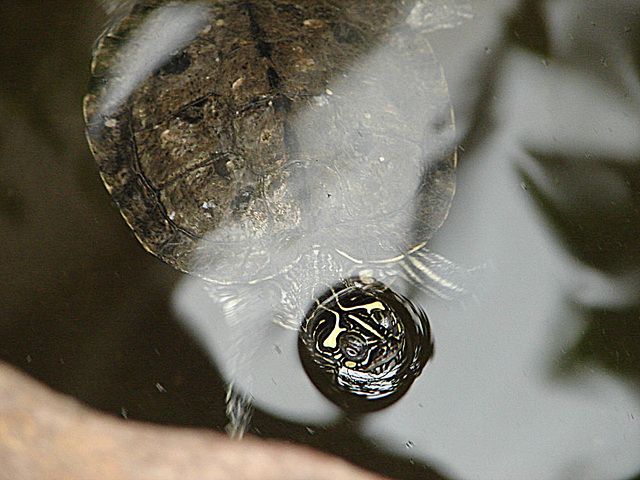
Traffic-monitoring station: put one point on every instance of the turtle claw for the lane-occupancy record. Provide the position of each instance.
(435, 274)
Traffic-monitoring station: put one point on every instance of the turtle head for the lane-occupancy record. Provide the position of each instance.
(363, 345)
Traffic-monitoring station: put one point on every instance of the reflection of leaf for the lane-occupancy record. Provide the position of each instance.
(527, 28)
(12, 204)
(593, 207)
(613, 338)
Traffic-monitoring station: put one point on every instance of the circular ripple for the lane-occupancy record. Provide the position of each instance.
(362, 345)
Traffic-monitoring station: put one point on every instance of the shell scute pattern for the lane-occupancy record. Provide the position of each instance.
(277, 128)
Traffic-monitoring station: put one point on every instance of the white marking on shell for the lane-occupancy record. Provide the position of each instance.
(237, 83)
(313, 23)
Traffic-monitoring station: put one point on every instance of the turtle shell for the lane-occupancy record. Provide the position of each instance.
(237, 136)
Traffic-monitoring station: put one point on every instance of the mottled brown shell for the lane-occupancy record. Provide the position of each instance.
(277, 127)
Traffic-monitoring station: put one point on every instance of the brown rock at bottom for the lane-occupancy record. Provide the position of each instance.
(46, 435)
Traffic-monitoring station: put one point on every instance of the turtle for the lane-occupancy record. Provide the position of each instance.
(276, 148)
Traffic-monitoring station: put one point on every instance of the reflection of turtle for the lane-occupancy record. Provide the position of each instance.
(288, 143)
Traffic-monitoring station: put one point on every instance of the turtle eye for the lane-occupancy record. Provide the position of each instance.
(364, 345)
(353, 347)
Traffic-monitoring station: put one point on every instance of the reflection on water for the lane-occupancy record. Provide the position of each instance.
(258, 136)
(536, 376)
(362, 345)
(276, 151)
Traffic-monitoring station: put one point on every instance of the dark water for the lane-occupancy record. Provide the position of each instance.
(535, 375)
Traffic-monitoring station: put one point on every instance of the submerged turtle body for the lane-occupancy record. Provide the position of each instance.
(238, 137)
